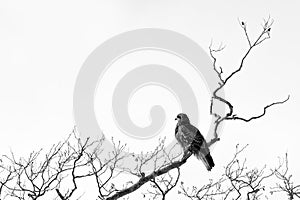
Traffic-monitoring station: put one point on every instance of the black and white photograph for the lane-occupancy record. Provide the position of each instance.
(149, 99)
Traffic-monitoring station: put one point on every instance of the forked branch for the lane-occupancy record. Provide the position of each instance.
(264, 35)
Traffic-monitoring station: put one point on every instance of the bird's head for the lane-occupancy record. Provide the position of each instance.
(182, 118)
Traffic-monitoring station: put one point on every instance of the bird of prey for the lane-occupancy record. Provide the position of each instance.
(191, 140)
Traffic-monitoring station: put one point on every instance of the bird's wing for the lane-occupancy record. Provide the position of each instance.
(198, 143)
(200, 140)
(187, 135)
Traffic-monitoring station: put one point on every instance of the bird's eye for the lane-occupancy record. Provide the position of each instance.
(179, 117)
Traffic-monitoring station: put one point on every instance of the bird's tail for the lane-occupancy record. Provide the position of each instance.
(207, 160)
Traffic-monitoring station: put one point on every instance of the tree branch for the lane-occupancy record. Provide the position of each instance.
(264, 35)
(149, 177)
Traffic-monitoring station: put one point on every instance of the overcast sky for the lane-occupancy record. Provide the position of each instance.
(44, 44)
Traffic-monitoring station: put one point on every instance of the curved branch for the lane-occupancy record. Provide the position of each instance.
(264, 35)
(234, 117)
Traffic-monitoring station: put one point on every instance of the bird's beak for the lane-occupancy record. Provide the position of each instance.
(176, 118)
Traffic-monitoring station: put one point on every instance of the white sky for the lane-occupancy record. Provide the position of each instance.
(43, 45)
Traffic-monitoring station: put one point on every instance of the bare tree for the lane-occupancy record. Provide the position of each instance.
(238, 181)
(244, 180)
(33, 177)
(162, 185)
(211, 190)
(241, 182)
(285, 183)
(59, 170)
(5, 178)
(230, 115)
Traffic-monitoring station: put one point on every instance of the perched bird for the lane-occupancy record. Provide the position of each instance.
(191, 140)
